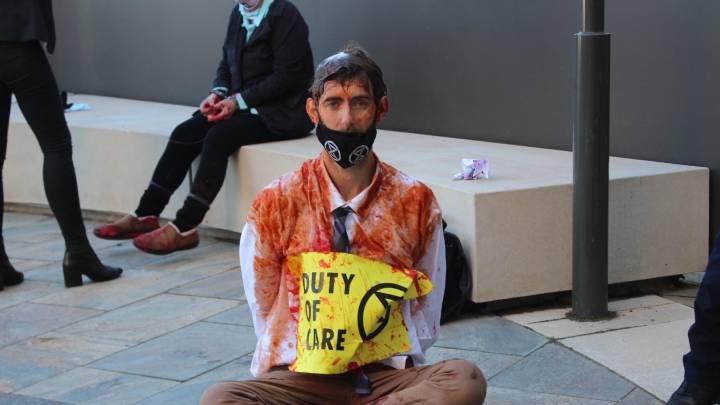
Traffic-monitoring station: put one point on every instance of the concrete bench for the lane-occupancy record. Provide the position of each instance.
(516, 227)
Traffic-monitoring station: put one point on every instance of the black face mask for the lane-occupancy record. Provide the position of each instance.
(346, 148)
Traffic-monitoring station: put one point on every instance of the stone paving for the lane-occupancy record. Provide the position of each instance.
(173, 325)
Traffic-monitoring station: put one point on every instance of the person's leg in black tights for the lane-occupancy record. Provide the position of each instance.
(28, 75)
(39, 101)
(221, 141)
(5, 97)
(183, 147)
(8, 275)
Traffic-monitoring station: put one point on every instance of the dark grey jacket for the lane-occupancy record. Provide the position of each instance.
(273, 69)
(27, 20)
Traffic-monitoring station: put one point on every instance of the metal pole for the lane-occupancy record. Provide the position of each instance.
(590, 166)
(593, 16)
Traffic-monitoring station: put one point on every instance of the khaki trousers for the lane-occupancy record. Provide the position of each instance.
(449, 382)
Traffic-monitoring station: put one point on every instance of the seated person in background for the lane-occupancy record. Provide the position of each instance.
(259, 94)
(346, 200)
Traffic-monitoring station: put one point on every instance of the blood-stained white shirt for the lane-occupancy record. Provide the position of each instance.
(299, 205)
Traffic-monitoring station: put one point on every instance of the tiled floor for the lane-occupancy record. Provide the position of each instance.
(644, 343)
(173, 325)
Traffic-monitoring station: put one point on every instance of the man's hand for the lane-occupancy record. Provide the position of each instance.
(223, 110)
(209, 104)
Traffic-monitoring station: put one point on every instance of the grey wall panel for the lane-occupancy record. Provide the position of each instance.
(158, 50)
(665, 102)
(495, 70)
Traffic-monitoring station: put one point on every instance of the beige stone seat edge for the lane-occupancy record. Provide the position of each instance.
(516, 227)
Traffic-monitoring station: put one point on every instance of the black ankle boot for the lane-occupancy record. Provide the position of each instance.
(77, 264)
(8, 275)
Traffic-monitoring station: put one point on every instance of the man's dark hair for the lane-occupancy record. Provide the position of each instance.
(351, 63)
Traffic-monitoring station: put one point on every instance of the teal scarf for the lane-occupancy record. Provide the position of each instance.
(252, 19)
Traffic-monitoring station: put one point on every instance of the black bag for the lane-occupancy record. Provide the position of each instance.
(458, 279)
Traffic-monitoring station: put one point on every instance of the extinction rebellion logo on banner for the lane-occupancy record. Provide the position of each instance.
(350, 312)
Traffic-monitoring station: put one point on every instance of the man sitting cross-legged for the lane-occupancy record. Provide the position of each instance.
(355, 221)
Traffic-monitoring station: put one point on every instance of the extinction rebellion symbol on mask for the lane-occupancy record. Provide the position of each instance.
(358, 154)
(386, 294)
(333, 150)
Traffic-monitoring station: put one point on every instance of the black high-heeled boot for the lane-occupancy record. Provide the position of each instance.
(87, 263)
(8, 275)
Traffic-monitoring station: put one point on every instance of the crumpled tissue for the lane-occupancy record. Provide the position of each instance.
(473, 169)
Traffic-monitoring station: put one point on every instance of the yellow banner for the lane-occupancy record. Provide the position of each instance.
(350, 312)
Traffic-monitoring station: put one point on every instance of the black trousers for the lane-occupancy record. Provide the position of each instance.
(25, 72)
(214, 143)
(702, 364)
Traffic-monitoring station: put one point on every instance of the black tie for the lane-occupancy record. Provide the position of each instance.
(340, 241)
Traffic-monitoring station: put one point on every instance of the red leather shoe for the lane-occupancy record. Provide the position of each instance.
(167, 240)
(127, 227)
